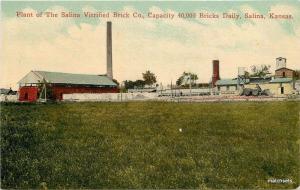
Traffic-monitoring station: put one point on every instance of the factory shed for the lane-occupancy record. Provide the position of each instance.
(281, 86)
(227, 86)
(63, 83)
(9, 91)
(276, 86)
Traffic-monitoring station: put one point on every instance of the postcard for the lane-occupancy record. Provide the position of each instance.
(150, 94)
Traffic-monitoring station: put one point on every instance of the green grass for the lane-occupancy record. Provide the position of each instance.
(138, 145)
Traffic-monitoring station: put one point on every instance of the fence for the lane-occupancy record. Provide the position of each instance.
(185, 92)
(109, 97)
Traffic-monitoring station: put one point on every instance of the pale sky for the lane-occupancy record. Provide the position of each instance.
(164, 46)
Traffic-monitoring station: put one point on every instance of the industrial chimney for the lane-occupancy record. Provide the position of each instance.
(216, 75)
(109, 71)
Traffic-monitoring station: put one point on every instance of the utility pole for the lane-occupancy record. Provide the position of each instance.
(190, 85)
(171, 90)
(45, 92)
(161, 89)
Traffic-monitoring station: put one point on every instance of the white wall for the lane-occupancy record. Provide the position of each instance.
(114, 97)
(194, 91)
(8, 98)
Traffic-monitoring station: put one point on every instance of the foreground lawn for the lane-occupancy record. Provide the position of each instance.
(139, 145)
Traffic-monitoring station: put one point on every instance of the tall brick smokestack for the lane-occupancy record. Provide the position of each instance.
(216, 75)
(109, 71)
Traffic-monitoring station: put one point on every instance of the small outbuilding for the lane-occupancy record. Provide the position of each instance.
(227, 86)
(32, 85)
(5, 91)
(284, 73)
(281, 86)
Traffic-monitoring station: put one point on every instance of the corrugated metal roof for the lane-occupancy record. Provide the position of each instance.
(281, 80)
(66, 78)
(226, 82)
(260, 79)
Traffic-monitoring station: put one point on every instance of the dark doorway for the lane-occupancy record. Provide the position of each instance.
(26, 96)
(283, 74)
(282, 90)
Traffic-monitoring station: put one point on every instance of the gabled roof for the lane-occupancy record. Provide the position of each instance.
(284, 68)
(35, 77)
(281, 80)
(245, 81)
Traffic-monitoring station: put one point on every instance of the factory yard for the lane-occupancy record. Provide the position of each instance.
(150, 145)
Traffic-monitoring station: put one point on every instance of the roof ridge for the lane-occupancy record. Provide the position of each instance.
(37, 74)
(72, 73)
(68, 78)
(285, 68)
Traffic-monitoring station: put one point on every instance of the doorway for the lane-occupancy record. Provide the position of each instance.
(282, 90)
(26, 96)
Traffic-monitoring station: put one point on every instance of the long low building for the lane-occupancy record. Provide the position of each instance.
(276, 86)
(33, 85)
(282, 83)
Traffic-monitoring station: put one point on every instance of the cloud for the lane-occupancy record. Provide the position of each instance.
(284, 9)
(166, 47)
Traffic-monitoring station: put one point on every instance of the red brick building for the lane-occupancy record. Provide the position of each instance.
(31, 86)
(284, 73)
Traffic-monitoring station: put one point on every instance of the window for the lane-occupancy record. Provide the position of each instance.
(282, 90)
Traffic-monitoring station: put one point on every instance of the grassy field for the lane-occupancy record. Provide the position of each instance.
(139, 145)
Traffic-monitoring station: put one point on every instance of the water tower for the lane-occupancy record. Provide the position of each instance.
(280, 62)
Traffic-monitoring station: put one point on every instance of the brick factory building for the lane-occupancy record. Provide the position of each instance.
(52, 85)
(282, 83)
(284, 73)
(31, 86)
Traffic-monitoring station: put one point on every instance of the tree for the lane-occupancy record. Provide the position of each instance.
(297, 74)
(247, 74)
(186, 78)
(128, 84)
(149, 78)
(139, 84)
(134, 84)
(260, 70)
